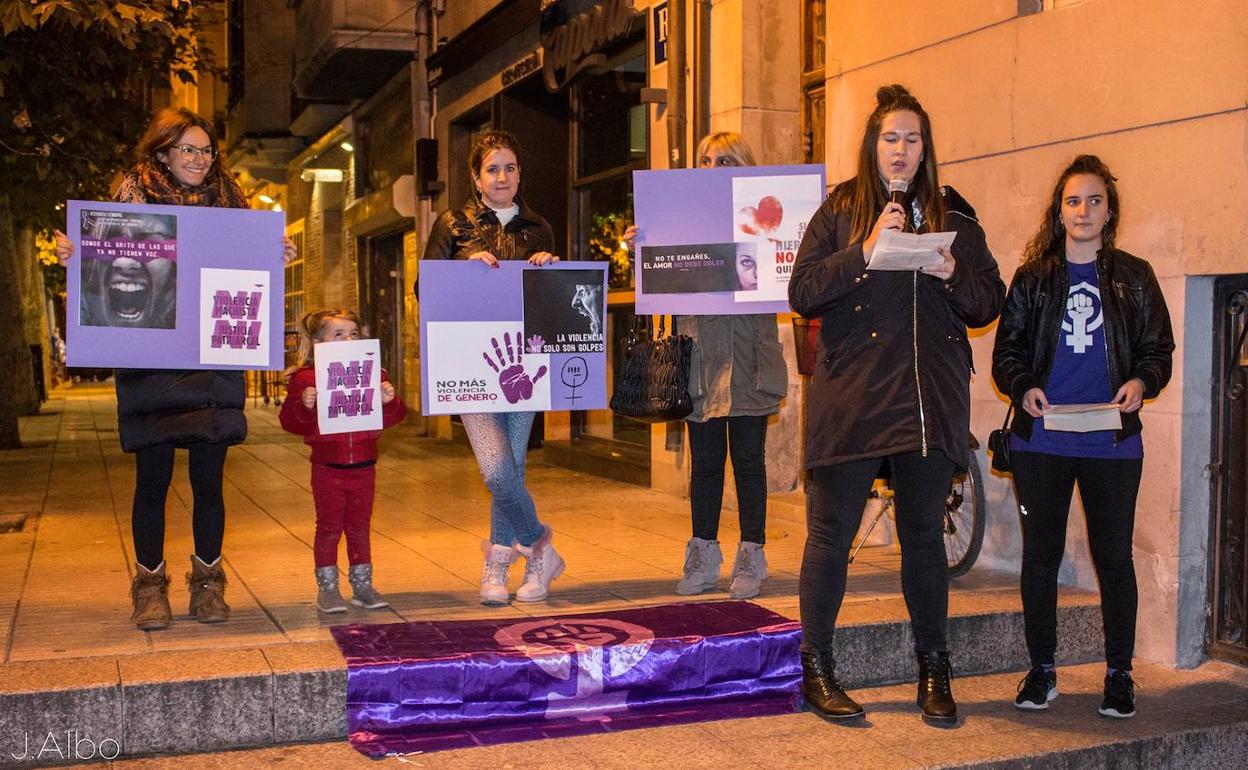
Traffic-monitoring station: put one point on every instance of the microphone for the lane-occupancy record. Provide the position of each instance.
(897, 190)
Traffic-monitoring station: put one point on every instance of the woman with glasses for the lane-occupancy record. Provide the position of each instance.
(160, 410)
(893, 387)
(736, 380)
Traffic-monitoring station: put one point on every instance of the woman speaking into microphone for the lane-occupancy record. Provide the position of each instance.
(893, 388)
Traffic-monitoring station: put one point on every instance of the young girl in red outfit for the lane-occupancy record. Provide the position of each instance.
(343, 467)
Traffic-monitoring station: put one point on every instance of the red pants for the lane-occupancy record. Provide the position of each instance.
(344, 503)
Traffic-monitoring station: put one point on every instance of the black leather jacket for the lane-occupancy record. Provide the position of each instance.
(474, 227)
(1138, 337)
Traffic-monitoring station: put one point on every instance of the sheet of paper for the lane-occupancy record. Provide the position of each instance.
(1082, 418)
(895, 250)
(348, 386)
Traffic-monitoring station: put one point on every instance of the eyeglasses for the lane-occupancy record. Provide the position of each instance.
(190, 153)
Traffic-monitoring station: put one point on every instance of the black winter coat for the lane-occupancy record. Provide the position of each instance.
(895, 361)
(458, 233)
(179, 407)
(1138, 337)
(175, 406)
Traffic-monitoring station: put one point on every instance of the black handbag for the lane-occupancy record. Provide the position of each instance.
(652, 379)
(999, 444)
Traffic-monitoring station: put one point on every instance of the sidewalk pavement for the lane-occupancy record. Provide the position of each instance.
(271, 676)
(65, 576)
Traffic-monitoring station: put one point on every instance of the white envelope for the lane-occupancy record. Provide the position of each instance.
(895, 250)
(1082, 418)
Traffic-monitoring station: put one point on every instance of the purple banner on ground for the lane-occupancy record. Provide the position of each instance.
(174, 287)
(513, 339)
(687, 218)
(434, 685)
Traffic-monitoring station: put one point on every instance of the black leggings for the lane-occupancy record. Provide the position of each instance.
(838, 494)
(153, 472)
(709, 445)
(1108, 488)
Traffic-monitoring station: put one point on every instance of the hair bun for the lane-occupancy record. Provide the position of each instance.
(891, 94)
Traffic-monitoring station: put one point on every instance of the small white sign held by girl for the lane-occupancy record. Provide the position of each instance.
(348, 386)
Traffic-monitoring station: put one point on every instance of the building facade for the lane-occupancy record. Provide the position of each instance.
(386, 103)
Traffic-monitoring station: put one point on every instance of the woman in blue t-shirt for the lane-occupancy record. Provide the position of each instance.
(1083, 323)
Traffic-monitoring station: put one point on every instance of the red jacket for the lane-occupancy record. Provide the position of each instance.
(336, 448)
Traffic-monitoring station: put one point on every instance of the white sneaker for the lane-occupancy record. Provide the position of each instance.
(542, 565)
(749, 570)
(702, 560)
(498, 559)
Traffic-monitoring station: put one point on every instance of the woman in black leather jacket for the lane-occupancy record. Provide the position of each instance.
(1084, 322)
(494, 225)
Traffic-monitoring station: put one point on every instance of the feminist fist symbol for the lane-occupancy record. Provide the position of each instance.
(512, 379)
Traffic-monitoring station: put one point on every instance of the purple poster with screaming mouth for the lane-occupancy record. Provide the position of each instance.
(174, 287)
(515, 338)
(721, 241)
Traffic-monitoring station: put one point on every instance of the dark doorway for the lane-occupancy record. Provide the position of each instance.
(1229, 634)
(381, 299)
(539, 121)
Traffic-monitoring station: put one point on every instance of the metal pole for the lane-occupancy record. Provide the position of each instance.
(676, 65)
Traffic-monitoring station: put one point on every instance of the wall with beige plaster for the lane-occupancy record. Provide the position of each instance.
(1155, 88)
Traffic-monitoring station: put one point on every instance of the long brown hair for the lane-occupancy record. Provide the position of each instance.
(1050, 240)
(864, 196)
(310, 327)
(166, 129)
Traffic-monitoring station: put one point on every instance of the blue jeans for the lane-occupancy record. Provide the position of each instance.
(500, 442)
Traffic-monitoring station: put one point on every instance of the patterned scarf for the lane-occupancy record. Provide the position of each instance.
(157, 185)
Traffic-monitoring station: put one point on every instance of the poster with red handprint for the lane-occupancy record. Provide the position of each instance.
(483, 337)
(721, 241)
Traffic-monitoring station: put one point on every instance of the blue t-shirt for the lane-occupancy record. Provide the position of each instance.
(1080, 375)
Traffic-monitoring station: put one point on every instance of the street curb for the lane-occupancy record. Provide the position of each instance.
(211, 700)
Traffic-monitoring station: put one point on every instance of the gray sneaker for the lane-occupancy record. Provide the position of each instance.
(748, 571)
(362, 592)
(328, 599)
(702, 560)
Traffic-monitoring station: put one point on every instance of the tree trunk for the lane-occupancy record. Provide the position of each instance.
(34, 316)
(16, 376)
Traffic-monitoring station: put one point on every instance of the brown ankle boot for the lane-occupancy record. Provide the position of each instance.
(149, 592)
(207, 584)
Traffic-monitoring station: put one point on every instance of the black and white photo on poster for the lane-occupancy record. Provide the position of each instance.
(564, 311)
(128, 264)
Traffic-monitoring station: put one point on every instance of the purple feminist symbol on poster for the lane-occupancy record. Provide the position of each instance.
(598, 649)
(348, 395)
(512, 378)
(244, 308)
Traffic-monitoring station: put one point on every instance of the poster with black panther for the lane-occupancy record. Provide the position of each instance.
(129, 269)
(564, 311)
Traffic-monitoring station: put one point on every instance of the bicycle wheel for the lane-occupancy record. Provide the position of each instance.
(965, 515)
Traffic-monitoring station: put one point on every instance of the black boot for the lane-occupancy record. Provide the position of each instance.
(935, 696)
(822, 690)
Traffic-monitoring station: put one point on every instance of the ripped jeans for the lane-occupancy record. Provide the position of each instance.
(500, 442)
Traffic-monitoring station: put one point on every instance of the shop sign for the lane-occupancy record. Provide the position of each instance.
(577, 44)
(659, 33)
(522, 69)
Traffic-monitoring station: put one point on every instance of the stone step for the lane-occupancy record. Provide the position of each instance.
(212, 700)
(1186, 719)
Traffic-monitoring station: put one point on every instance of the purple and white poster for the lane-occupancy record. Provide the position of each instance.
(721, 241)
(348, 386)
(174, 287)
(513, 339)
